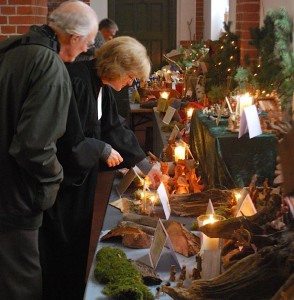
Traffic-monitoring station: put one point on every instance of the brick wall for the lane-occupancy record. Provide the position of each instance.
(247, 16)
(16, 16)
(199, 20)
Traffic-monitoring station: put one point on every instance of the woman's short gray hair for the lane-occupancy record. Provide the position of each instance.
(122, 56)
(74, 17)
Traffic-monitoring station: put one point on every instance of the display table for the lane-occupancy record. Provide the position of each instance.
(227, 161)
(139, 115)
(93, 289)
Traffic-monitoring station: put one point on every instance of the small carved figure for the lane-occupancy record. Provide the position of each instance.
(182, 186)
(164, 167)
(195, 274)
(183, 273)
(173, 272)
(179, 170)
(194, 182)
(180, 283)
(199, 262)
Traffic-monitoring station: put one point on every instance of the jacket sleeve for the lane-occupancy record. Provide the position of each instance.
(42, 119)
(78, 154)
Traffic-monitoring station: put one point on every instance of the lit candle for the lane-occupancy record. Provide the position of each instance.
(179, 152)
(189, 113)
(244, 100)
(164, 95)
(207, 242)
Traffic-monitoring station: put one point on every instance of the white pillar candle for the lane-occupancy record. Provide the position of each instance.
(179, 152)
(189, 113)
(207, 242)
(244, 100)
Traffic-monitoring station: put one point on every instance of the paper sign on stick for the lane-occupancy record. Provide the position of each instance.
(168, 115)
(174, 133)
(160, 239)
(127, 180)
(250, 122)
(162, 194)
(246, 207)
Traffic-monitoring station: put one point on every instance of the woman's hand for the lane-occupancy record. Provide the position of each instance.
(114, 159)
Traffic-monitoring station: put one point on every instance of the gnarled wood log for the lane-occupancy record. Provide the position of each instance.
(225, 229)
(193, 205)
(257, 276)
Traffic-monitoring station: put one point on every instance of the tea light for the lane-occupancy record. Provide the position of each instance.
(164, 95)
(179, 152)
(207, 242)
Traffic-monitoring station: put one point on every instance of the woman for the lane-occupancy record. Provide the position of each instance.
(94, 135)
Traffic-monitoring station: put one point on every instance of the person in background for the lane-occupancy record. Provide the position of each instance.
(65, 234)
(34, 96)
(107, 31)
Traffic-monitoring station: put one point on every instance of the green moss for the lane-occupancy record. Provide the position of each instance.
(123, 280)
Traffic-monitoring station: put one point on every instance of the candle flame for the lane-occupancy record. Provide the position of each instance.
(211, 220)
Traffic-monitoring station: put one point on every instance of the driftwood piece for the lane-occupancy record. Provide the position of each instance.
(131, 237)
(141, 219)
(257, 276)
(286, 291)
(225, 229)
(184, 242)
(193, 205)
(147, 229)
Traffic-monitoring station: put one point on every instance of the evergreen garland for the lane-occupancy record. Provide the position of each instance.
(275, 70)
(223, 62)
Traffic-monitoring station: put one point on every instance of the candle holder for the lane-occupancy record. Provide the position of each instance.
(207, 242)
(210, 248)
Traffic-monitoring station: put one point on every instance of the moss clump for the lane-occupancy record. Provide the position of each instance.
(122, 279)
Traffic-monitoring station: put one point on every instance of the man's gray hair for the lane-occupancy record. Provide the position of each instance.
(73, 17)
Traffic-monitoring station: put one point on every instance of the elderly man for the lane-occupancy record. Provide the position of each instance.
(34, 96)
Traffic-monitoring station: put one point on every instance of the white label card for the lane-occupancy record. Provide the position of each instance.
(174, 133)
(126, 181)
(162, 194)
(160, 239)
(168, 115)
(250, 122)
(245, 207)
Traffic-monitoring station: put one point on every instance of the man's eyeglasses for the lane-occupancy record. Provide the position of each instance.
(90, 45)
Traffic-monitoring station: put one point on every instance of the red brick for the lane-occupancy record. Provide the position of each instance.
(32, 10)
(7, 10)
(8, 29)
(23, 29)
(26, 20)
(3, 20)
